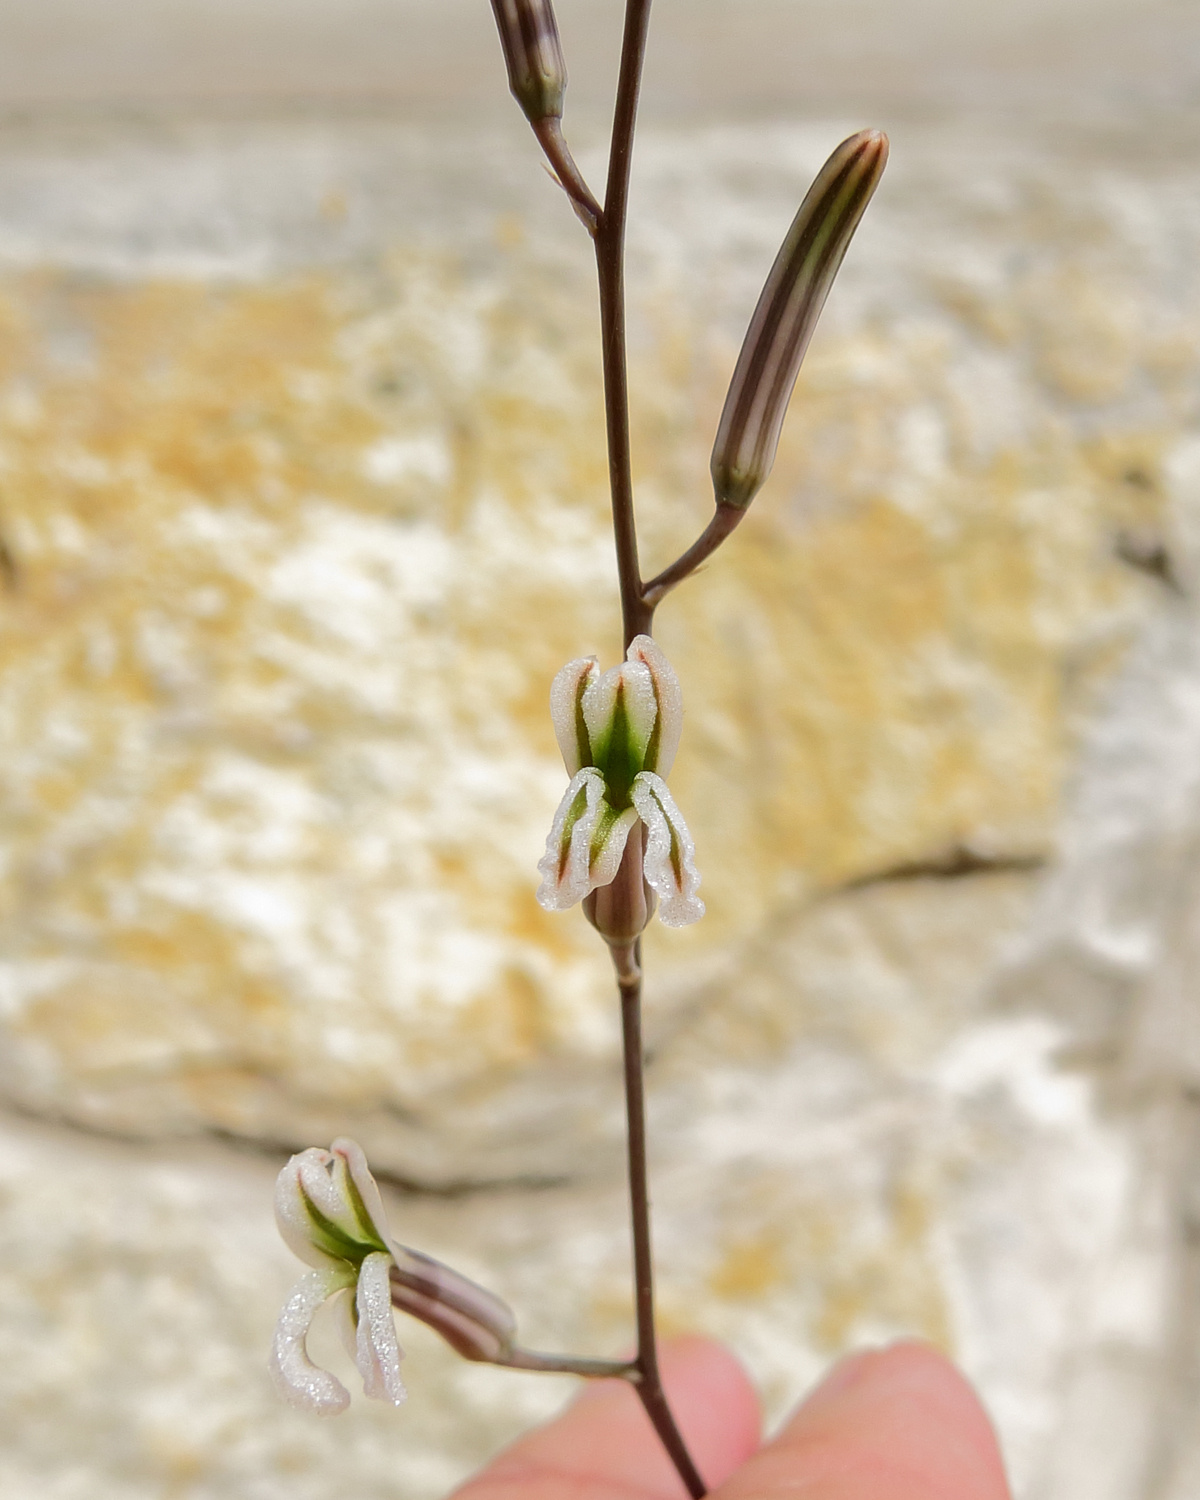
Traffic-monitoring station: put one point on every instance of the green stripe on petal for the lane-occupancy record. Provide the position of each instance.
(331, 1239)
(566, 711)
(574, 813)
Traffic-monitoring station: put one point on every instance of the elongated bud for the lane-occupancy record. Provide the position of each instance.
(472, 1320)
(787, 313)
(537, 74)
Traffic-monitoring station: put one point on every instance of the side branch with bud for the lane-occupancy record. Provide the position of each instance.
(618, 844)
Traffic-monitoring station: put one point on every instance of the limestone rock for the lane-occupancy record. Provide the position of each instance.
(302, 503)
(295, 550)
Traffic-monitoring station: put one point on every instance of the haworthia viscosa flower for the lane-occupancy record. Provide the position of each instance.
(329, 1211)
(618, 732)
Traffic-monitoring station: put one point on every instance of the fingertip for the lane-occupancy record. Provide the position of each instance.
(906, 1364)
(715, 1404)
(604, 1446)
(899, 1423)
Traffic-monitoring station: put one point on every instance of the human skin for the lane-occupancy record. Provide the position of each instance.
(893, 1424)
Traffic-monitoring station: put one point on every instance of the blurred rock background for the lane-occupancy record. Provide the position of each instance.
(302, 503)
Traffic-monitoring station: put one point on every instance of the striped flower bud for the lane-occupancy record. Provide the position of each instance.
(787, 313)
(618, 733)
(537, 74)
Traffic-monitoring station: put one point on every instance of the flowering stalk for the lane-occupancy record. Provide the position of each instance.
(618, 843)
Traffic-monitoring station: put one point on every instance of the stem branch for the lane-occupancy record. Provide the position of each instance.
(570, 179)
(568, 1364)
(722, 524)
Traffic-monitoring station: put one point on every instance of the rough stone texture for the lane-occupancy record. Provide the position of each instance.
(302, 503)
(295, 555)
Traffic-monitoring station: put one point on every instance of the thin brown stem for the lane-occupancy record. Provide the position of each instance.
(569, 1364)
(721, 526)
(649, 1381)
(637, 616)
(610, 266)
(570, 178)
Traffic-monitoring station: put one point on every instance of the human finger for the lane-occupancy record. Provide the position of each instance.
(604, 1448)
(893, 1424)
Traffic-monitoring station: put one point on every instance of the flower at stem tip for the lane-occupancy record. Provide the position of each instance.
(618, 842)
(330, 1213)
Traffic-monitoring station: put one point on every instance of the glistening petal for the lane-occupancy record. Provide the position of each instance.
(566, 710)
(292, 1205)
(297, 1379)
(362, 1193)
(320, 1210)
(597, 703)
(564, 866)
(608, 845)
(585, 845)
(620, 712)
(378, 1354)
(670, 860)
(664, 740)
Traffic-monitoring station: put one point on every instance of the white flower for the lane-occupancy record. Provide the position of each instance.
(329, 1211)
(618, 733)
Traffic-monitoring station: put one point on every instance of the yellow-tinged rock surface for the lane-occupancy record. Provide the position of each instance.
(292, 561)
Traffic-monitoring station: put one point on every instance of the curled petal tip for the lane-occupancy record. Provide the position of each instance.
(297, 1379)
(670, 859)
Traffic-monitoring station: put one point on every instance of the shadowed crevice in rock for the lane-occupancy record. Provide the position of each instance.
(449, 1190)
(1148, 552)
(952, 864)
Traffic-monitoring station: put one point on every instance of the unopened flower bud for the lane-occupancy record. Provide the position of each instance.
(537, 74)
(787, 313)
(471, 1319)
